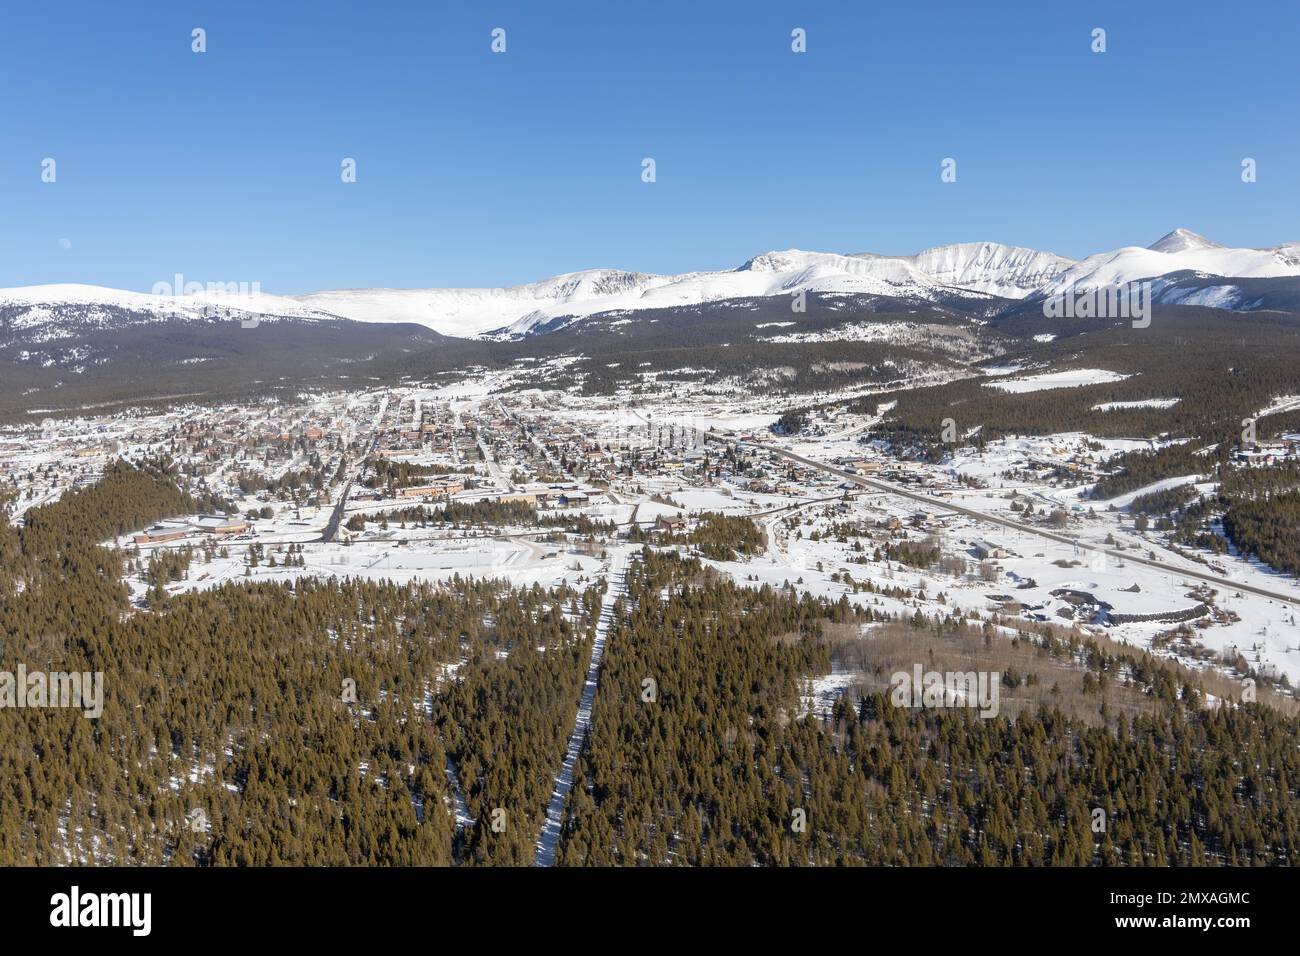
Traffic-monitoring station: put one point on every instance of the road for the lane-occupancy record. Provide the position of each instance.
(550, 836)
(332, 527)
(775, 514)
(929, 502)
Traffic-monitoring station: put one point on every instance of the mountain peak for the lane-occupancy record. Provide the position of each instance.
(1182, 240)
(779, 260)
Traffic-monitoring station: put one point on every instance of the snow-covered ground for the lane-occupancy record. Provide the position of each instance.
(1141, 403)
(1070, 378)
(520, 561)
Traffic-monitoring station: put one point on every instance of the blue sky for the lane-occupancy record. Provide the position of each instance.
(483, 169)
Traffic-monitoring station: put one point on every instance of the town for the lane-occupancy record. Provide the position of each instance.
(544, 488)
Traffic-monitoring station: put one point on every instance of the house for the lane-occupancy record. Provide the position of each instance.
(987, 549)
(670, 524)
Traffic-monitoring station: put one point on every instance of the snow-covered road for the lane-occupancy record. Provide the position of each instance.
(550, 837)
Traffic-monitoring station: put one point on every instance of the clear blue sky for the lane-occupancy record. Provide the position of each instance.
(482, 169)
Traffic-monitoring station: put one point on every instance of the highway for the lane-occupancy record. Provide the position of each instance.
(929, 502)
(332, 528)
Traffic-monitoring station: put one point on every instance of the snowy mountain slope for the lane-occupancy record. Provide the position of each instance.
(1241, 294)
(1179, 251)
(1182, 240)
(973, 270)
(517, 310)
(475, 312)
(1012, 272)
(53, 311)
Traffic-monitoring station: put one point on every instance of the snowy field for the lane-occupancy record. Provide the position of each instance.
(520, 561)
(1070, 378)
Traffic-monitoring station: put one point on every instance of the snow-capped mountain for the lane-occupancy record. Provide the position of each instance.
(976, 276)
(1179, 251)
(971, 271)
(476, 312)
(960, 273)
(1182, 240)
(53, 311)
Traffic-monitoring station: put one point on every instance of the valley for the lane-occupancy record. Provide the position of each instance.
(499, 546)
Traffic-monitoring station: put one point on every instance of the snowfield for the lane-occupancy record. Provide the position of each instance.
(1070, 378)
(1141, 403)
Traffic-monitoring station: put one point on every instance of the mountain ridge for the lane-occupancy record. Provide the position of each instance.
(970, 275)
